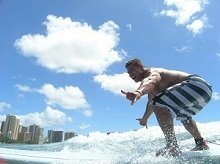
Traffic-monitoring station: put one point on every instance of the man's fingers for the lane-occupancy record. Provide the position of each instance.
(142, 123)
(134, 101)
(123, 92)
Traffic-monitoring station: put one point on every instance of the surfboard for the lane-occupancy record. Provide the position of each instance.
(213, 151)
(27, 156)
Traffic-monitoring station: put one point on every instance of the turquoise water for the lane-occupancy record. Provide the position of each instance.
(137, 146)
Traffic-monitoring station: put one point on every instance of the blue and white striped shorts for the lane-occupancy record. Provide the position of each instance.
(185, 99)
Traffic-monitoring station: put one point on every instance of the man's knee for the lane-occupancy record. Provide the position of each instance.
(163, 115)
(161, 110)
(187, 121)
(189, 124)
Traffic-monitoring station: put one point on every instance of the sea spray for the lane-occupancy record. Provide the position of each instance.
(137, 146)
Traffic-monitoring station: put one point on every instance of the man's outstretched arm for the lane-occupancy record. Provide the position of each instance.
(147, 113)
(148, 84)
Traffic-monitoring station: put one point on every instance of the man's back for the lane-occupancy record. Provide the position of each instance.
(167, 78)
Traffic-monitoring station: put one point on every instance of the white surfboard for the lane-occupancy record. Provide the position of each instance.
(52, 157)
(213, 151)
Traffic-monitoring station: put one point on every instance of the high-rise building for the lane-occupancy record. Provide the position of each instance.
(23, 129)
(50, 135)
(2, 125)
(55, 136)
(24, 137)
(1, 134)
(58, 136)
(36, 133)
(69, 135)
(10, 127)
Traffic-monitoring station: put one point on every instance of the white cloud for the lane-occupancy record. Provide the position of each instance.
(183, 49)
(186, 13)
(2, 118)
(197, 25)
(69, 97)
(88, 113)
(23, 88)
(129, 26)
(4, 105)
(216, 96)
(218, 54)
(32, 79)
(48, 117)
(115, 83)
(73, 47)
(84, 126)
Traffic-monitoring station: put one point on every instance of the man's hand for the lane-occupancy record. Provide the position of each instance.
(142, 122)
(132, 96)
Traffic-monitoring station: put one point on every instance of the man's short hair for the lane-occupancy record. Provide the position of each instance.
(135, 62)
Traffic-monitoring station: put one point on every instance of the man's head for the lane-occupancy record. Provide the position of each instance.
(135, 69)
(134, 62)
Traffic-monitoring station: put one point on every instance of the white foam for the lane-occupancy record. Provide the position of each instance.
(53, 157)
(137, 146)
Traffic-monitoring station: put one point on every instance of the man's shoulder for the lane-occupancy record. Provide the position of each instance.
(158, 70)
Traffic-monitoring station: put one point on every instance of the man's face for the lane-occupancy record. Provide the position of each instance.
(135, 72)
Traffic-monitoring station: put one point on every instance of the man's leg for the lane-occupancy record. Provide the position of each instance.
(191, 127)
(165, 121)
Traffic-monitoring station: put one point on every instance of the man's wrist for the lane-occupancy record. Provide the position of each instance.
(139, 92)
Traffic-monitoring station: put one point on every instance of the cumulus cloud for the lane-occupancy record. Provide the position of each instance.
(216, 96)
(48, 117)
(2, 118)
(186, 12)
(4, 105)
(68, 97)
(73, 47)
(129, 26)
(88, 112)
(115, 83)
(183, 48)
(197, 25)
(23, 88)
(84, 126)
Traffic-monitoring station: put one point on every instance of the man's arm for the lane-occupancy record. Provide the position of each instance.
(147, 113)
(148, 84)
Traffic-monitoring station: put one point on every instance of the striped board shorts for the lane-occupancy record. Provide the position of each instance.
(185, 99)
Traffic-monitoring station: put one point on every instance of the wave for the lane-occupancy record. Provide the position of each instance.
(137, 146)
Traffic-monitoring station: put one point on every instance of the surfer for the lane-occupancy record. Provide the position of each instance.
(171, 94)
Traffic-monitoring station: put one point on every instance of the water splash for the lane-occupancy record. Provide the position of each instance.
(137, 146)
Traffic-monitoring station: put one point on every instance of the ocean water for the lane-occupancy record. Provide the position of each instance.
(133, 147)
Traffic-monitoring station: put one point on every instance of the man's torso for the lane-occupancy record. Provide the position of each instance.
(166, 78)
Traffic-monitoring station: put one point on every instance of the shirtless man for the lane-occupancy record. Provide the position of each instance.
(170, 94)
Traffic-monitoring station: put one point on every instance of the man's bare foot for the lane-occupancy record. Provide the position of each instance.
(161, 152)
(201, 144)
(200, 148)
(170, 151)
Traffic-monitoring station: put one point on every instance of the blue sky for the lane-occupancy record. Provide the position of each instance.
(62, 62)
